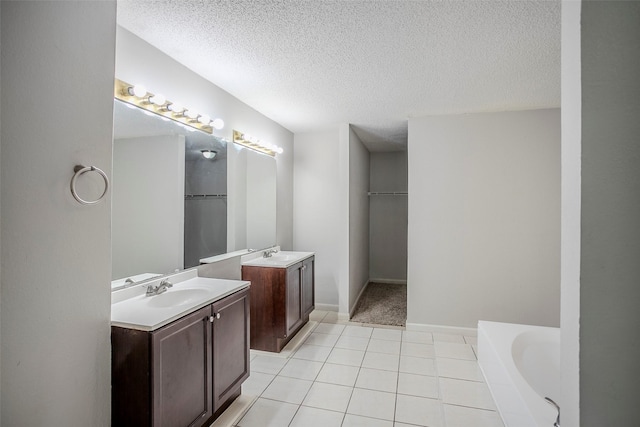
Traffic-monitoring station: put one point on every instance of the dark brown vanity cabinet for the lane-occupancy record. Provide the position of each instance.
(281, 300)
(185, 373)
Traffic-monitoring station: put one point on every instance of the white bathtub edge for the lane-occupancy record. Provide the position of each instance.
(518, 404)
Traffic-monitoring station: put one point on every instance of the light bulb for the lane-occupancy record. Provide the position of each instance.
(138, 90)
(157, 99)
(175, 107)
(217, 124)
(204, 119)
(191, 114)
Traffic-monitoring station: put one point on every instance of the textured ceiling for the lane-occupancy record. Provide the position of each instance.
(311, 65)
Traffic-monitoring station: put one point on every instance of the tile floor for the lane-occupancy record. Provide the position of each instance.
(353, 375)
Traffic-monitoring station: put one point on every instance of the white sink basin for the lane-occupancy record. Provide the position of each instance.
(150, 313)
(282, 259)
(176, 298)
(287, 256)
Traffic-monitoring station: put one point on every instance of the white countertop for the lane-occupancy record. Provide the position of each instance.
(150, 313)
(280, 259)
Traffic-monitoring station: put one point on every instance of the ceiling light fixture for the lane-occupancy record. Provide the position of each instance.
(209, 154)
(138, 96)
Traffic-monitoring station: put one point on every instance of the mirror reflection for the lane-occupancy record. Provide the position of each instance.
(181, 195)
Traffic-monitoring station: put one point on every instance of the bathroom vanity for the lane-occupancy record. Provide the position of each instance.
(179, 358)
(282, 297)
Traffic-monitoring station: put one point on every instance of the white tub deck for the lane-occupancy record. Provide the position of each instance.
(521, 364)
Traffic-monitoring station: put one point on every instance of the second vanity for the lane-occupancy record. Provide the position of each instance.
(282, 296)
(179, 357)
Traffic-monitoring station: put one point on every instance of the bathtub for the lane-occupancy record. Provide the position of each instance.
(521, 364)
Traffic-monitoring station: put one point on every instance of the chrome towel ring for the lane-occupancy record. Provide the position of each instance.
(79, 170)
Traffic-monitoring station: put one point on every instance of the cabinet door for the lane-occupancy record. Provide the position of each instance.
(308, 286)
(294, 299)
(230, 345)
(181, 374)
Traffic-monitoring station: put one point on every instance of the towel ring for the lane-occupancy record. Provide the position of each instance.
(79, 170)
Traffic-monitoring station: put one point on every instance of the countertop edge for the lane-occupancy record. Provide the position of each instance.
(258, 263)
(150, 328)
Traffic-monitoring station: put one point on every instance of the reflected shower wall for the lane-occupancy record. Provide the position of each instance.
(205, 204)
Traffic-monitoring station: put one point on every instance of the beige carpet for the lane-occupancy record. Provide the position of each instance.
(382, 304)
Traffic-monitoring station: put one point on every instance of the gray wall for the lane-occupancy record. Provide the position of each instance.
(317, 210)
(358, 218)
(610, 247)
(388, 218)
(484, 218)
(57, 109)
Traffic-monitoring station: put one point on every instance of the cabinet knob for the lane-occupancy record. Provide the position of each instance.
(217, 315)
(304, 267)
(211, 319)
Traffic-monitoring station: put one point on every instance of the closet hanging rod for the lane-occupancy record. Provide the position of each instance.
(388, 193)
(204, 196)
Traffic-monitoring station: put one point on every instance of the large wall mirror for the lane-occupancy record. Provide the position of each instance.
(181, 195)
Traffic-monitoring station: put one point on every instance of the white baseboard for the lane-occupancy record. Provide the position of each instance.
(421, 327)
(352, 309)
(390, 281)
(326, 307)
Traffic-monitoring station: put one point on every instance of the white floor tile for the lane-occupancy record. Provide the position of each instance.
(418, 385)
(325, 340)
(302, 369)
(387, 334)
(352, 343)
(351, 420)
(334, 317)
(417, 337)
(357, 331)
(343, 356)
(419, 411)
(460, 369)
(466, 393)
(314, 417)
(387, 362)
(382, 346)
(311, 352)
(370, 403)
(338, 374)
(437, 336)
(417, 350)
(232, 415)
(267, 364)
(290, 390)
(268, 413)
(329, 328)
(317, 315)
(328, 396)
(403, 425)
(454, 350)
(256, 383)
(417, 365)
(376, 379)
(460, 416)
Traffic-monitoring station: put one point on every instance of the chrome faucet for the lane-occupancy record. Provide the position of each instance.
(157, 290)
(269, 253)
(557, 423)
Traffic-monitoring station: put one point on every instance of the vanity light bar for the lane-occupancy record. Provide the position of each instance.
(255, 144)
(139, 96)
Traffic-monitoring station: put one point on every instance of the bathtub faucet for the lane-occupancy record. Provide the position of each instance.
(557, 423)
